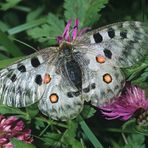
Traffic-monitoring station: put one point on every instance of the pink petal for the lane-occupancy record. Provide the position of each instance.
(75, 30)
(66, 31)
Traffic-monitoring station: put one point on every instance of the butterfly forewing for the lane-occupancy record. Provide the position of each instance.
(21, 83)
(106, 49)
(123, 43)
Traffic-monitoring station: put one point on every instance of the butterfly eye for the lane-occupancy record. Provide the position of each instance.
(107, 78)
(100, 59)
(53, 98)
(46, 78)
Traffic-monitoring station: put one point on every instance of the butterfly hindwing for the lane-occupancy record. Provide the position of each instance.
(101, 81)
(62, 99)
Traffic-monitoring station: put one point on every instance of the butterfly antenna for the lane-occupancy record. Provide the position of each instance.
(19, 41)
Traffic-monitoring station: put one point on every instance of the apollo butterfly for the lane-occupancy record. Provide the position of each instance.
(84, 67)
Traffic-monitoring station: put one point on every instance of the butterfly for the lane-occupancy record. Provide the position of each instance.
(84, 67)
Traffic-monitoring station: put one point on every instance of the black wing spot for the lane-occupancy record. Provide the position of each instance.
(21, 68)
(107, 53)
(38, 79)
(98, 37)
(111, 32)
(13, 78)
(93, 86)
(86, 90)
(69, 94)
(123, 34)
(35, 62)
(11, 75)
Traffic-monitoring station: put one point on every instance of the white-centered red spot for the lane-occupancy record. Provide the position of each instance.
(46, 78)
(53, 98)
(107, 78)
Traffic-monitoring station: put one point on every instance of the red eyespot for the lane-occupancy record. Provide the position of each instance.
(53, 98)
(107, 78)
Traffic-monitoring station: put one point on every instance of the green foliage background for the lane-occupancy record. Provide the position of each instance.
(26, 23)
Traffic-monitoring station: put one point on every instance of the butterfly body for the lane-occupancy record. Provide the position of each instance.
(87, 68)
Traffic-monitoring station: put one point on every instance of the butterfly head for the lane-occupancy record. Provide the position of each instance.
(66, 48)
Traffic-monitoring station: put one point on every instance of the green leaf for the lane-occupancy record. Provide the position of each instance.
(90, 135)
(85, 10)
(4, 27)
(18, 144)
(51, 139)
(27, 26)
(9, 4)
(88, 111)
(9, 45)
(69, 135)
(39, 124)
(32, 110)
(48, 31)
(135, 141)
(7, 62)
(10, 110)
(35, 13)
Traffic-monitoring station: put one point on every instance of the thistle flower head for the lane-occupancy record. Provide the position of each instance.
(125, 105)
(12, 127)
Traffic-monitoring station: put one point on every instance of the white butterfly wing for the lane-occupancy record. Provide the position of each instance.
(40, 77)
(123, 43)
(101, 81)
(107, 49)
(62, 100)
(21, 83)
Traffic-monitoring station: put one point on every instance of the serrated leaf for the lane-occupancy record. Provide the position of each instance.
(18, 144)
(48, 31)
(85, 10)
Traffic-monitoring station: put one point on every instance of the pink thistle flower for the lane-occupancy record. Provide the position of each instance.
(126, 105)
(70, 35)
(12, 127)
